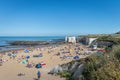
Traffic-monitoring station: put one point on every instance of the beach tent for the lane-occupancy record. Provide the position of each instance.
(27, 57)
(24, 61)
(9, 54)
(76, 57)
(38, 65)
(99, 53)
(26, 51)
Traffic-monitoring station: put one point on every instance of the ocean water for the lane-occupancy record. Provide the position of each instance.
(4, 40)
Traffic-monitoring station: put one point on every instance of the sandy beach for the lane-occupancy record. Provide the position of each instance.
(12, 67)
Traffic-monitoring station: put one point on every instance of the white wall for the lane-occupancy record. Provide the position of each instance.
(66, 39)
(70, 39)
(91, 40)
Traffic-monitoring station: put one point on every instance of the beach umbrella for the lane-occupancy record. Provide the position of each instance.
(9, 54)
(26, 51)
(43, 64)
(38, 66)
(27, 57)
(76, 57)
(24, 61)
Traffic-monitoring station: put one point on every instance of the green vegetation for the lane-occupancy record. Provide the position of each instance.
(100, 35)
(109, 38)
(104, 67)
(65, 74)
(93, 35)
(100, 67)
(117, 32)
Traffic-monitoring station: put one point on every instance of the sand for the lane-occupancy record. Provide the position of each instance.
(10, 69)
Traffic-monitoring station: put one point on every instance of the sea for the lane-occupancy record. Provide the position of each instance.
(5, 40)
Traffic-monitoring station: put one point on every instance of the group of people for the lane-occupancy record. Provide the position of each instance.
(64, 51)
(70, 50)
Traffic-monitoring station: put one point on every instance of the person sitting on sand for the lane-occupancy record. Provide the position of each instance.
(21, 74)
(1, 61)
(29, 65)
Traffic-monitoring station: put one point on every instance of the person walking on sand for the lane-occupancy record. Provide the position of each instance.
(39, 75)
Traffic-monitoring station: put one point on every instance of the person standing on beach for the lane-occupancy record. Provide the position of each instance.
(39, 75)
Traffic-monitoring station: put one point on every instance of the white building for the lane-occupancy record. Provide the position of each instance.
(71, 39)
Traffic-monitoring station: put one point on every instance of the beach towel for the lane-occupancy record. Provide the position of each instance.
(38, 55)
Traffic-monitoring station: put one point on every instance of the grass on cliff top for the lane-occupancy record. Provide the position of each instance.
(104, 67)
(109, 38)
(100, 35)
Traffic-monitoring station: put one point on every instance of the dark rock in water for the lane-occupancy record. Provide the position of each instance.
(58, 40)
(32, 43)
(28, 42)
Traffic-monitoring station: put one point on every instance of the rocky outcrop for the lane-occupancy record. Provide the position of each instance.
(103, 43)
(75, 68)
(28, 42)
(117, 32)
(32, 43)
(56, 70)
(78, 72)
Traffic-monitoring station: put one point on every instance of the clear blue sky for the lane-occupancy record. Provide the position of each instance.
(58, 17)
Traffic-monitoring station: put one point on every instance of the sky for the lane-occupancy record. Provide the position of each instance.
(58, 17)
